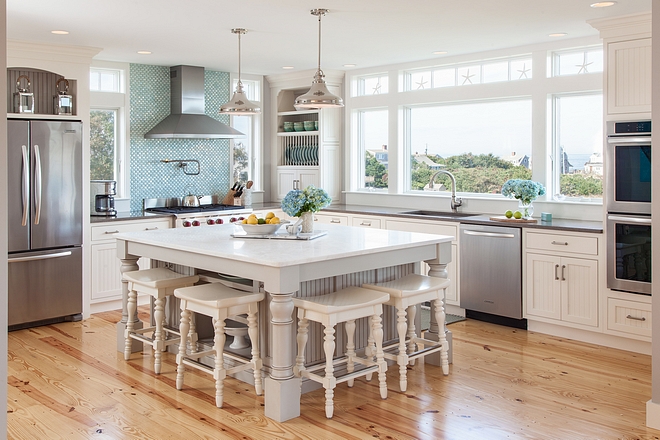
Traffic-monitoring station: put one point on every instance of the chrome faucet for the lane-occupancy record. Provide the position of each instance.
(455, 202)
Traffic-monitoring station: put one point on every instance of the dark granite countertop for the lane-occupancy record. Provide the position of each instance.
(558, 224)
(129, 215)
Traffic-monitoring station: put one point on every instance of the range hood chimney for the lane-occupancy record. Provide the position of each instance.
(187, 119)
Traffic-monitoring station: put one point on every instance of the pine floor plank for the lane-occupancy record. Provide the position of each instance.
(67, 381)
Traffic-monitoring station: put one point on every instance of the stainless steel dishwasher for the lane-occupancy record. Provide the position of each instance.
(491, 271)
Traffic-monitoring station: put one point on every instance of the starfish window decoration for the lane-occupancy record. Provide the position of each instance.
(523, 71)
(377, 88)
(421, 83)
(467, 77)
(584, 65)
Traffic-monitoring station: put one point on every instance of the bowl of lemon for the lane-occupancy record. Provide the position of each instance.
(267, 225)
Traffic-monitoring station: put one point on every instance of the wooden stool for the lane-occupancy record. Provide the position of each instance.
(345, 305)
(219, 302)
(405, 293)
(159, 283)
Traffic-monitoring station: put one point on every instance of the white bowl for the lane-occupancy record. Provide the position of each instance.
(264, 229)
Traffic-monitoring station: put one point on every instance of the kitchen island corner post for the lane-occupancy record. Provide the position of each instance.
(438, 268)
(281, 383)
(128, 264)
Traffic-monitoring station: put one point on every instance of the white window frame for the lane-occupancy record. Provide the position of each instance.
(253, 86)
(118, 101)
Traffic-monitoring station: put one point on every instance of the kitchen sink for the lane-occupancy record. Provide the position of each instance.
(439, 214)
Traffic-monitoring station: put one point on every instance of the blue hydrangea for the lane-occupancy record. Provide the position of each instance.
(310, 199)
(524, 190)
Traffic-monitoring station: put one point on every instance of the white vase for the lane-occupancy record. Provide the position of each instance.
(307, 222)
(527, 210)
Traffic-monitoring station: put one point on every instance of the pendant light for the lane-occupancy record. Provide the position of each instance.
(318, 96)
(239, 104)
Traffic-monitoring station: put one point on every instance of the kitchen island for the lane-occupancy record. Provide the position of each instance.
(345, 256)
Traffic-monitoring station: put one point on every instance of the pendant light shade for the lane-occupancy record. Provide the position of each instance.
(239, 104)
(318, 95)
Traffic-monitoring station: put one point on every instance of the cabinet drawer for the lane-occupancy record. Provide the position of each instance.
(563, 243)
(629, 317)
(366, 222)
(334, 219)
(427, 227)
(110, 229)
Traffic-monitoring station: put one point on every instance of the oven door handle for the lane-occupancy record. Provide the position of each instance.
(629, 140)
(616, 218)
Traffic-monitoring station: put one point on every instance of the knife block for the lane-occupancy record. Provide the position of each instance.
(229, 198)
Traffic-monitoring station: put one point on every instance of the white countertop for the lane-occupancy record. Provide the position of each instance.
(340, 242)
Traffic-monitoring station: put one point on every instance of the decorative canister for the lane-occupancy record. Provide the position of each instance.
(63, 102)
(23, 99)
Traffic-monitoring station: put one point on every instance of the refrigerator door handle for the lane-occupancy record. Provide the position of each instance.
(25, 187)
(37, 185)
(39, 257)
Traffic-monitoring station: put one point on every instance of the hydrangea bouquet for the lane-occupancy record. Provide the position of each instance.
(524, 190)
(310, 199)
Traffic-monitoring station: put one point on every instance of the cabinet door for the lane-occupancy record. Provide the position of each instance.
(366, 222)
(308, 177)
(285, 180)
(106, 278)
(543, 286)
(629, 76)
(331, 219)
(579, 292)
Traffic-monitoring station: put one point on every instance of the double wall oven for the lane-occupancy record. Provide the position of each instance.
(628, 189)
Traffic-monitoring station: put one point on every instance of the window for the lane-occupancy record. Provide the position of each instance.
(483, 144)
(372, 141)
(576, 62)
(246, 162)
(107, 128)
(578, 146)
(371, 85)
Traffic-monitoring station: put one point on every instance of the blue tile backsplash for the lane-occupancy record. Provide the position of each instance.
(150, 103)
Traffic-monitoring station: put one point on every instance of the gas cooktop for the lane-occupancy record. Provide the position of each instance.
(193, 209)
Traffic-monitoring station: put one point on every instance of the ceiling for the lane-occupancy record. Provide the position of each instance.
(284, 33)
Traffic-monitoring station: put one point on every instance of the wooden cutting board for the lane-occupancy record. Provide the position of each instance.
(501, 218)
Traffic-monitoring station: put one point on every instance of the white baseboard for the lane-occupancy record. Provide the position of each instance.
(652, 415)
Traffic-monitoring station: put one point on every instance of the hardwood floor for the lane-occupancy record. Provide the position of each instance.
(67, 381)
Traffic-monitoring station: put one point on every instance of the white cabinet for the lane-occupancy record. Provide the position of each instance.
(365, 221)
(335, 219)
(561, 284)
(309, 156)
(629, 76)
(106, 278)
(630, 318)
(452, 295)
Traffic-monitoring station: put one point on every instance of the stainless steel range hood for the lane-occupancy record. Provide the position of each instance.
(187, 119)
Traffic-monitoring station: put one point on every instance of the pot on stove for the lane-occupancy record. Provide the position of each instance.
(191, 200)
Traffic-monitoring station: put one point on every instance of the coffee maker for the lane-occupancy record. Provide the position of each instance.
(103, 198)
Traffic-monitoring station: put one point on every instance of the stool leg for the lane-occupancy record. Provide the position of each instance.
(158, 333)
(350, 348)
(219, 370)
(329, 382)
(412, 331)
(253, 332)
(370, 350)
(301, 339)
(402, 357)
(380, 360)
(192, 334)
(131, 306)
(184, 326)
(439, 305)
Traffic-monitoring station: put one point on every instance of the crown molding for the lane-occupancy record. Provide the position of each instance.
(625, 27)
(17, 49)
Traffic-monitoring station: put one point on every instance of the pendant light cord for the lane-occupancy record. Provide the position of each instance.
(320, 15)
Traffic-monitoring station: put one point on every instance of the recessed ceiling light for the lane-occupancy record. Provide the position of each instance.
(558, 34)
(350, 65)
(144, 52)
(439, 52)
(287, 67)
(60, 32)
(602, 4)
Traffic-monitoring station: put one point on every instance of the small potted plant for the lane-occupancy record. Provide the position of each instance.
(304, 203)
(526, 191)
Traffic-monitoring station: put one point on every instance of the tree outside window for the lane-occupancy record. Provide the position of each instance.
(103, 135)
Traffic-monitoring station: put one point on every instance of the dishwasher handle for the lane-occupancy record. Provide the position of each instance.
(489, 234)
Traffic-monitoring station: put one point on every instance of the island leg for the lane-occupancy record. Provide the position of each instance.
(438, 268)
(127, 265)
(282, 388)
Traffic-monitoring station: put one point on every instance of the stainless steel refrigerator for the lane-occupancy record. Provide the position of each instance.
(44, 209)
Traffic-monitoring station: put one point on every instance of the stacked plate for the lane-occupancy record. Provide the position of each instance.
(301, 155)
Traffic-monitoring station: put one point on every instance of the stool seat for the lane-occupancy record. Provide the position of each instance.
(405, 293)
(159, 278)
(219, 302)
(346, 306)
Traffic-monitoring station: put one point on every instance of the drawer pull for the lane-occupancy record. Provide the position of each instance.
(334, 220)
(563, 278)
(556, 267)
(111, 232)
(365, 224)
(636, 318)
(151, 229)
(560, 243)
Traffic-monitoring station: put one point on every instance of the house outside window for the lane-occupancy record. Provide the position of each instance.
(246, 152)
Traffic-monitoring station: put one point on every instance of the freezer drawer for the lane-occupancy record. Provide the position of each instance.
(44, 285)
(491, 270)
